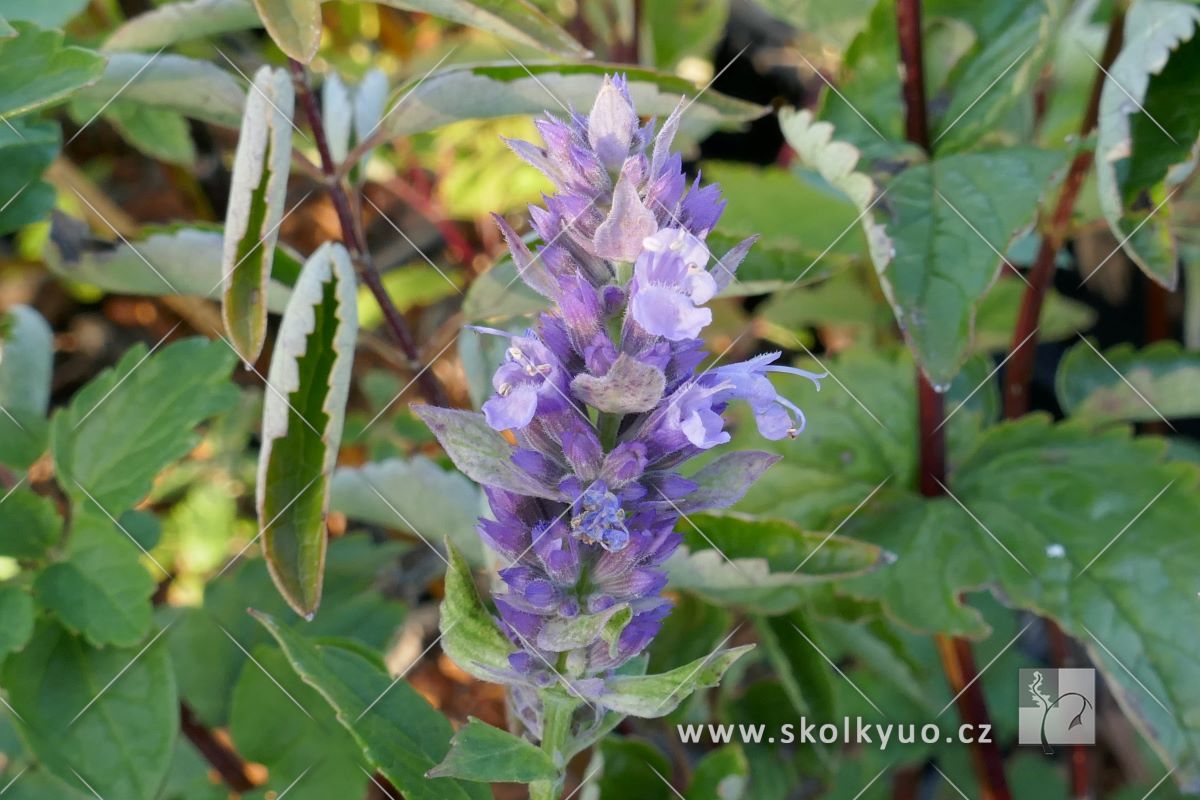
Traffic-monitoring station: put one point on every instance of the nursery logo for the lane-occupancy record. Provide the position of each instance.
(1057, 706)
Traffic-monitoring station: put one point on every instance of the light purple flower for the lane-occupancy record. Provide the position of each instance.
(604, 400)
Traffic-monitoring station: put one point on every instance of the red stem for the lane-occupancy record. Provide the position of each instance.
(958, 662)
(431, 387)
(1018, 377)
(228, 764)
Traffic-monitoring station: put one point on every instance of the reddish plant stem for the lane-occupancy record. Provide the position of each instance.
(958, 661)
(1018, 376)
(355, 242)
(228, 764)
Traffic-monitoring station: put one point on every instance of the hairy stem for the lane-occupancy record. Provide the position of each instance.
(558, 708)
(1018, 377)
(355, 242)
(957, 658)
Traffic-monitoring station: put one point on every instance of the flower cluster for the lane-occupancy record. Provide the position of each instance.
(606, 402)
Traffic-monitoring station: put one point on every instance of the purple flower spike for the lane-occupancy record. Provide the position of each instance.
(605, 403)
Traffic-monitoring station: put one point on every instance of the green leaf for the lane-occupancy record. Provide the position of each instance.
(99, 590)
(678, 30)
(182, 21)
(629, 766)
(1129, 384)
(763, 564)
(158, 133)
(995, 321)
(29, 526)
(169, 82)
(1139, 165)
(516, 20)
(788, 642)
(131, 421)
(1077, 524)
(650, 696)
(294, 25)
(482, 752)
(397, 730)
(186, 260)
(207, 663)
(1011, 47)
(506, 89)
(46, 13)
(792, 247)
(482, 454)
(27, 147)
(80, 722)
(16, 609)
(257, 196)
(26, 363)
(280, 722)
(414, 494)
(39, 70)
(722, 774)
(469, 634)
(302, 423)
(944, 263)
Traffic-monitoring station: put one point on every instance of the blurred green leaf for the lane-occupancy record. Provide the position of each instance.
(793, 246)
(16, 609)
(278, 721)
(207, 663)
(186, 260)
(722, 774)
(485, 753)
(629, 770)
(302, 423)
(170, 82)
(27, 147)
(99, 590)
(26, 362)
(131, 421)
(500, 90)
(1129, 384)
(29, 526)
(788, 643)
(415, 495)
(995, 321)
(1148, 123)
(294, 25)
(399, 733)
(47, 13)
(38, 69)
(80, 722)
(517, 20)
(1012, 42)
(672, 31)
(176, 22)
(158, 133)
